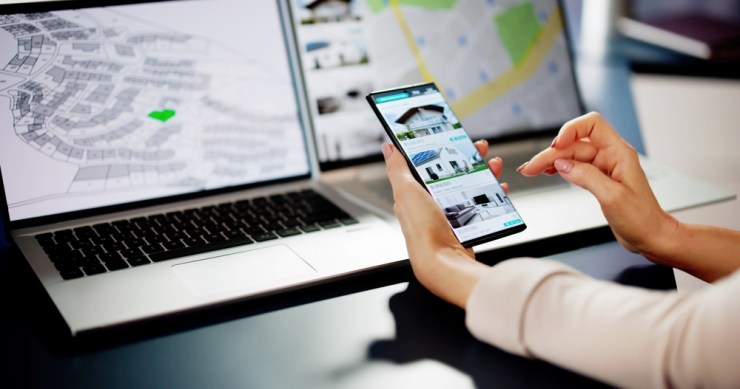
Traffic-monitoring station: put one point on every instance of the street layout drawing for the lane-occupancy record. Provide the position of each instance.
(503, 65)
(116, 103)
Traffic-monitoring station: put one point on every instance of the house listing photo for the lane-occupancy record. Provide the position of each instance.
(475, 205)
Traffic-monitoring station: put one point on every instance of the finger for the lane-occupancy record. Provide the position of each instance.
(496, 165)
(592, 126)
(588, 177)
(482, 146)
(505, 187)
(579, 151)
(398, 170)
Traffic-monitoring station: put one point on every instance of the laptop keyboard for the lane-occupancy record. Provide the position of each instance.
(99, 248)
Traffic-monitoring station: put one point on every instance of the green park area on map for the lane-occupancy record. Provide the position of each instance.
(518, 28)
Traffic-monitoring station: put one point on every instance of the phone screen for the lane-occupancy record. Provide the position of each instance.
(444, 159)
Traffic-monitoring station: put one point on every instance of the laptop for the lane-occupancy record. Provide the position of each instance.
(505, 67)
(155, 159)
(163, 156)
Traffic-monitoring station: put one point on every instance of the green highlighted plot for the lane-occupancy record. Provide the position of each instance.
(163, 115)
(518, 27)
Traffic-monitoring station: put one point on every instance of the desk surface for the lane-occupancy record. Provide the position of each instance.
(376, 330)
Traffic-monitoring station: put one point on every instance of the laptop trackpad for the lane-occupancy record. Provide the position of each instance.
(242, 272)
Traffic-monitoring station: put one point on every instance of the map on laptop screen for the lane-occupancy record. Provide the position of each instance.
(503, 65)
(111, 105)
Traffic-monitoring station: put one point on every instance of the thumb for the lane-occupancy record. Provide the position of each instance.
(587, 176)
(396, 166)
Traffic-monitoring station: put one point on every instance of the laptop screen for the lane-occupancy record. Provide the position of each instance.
(112, 105)
(504, 66)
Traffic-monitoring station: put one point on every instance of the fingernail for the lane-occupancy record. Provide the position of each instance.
(563, 165)
(555, 140)
(521, 167)
(386, 149)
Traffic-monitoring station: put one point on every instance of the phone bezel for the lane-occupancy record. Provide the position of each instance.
(389, 131)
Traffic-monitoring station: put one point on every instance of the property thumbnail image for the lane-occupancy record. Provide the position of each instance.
(326, 11)
(425, 120)
(445, 163)
(329, 53)
(341, 97)
(475, 205)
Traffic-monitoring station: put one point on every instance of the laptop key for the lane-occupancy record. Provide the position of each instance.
(45, 240)
(195, 241)
(104, 228)
(109, 257)
(69, 274)
(254, 230)
(64, 236)
(134, 243)
(138, 260)
(290, 223)
(84, 232)
(272, 226)
(288, 232)
(329, 224)
(93, 269)
(172, 245)
(115, 246)
(117, 264)
(310, 228)
(213, 238)
(91, 251)
(152, 248)
(264, 237)
(233, 234)
(131, 253)
(66, 266)
(44, 235)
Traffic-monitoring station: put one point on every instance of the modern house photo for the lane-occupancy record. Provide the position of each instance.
(425, 120)
(444, 163)
(330, 53)
(324, 11)
(475, 205)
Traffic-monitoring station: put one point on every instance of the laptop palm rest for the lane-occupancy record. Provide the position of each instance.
(242, 271)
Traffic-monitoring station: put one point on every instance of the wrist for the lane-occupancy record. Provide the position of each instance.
(451, 274)
(665, 245)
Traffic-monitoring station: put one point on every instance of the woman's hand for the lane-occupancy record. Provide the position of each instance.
(589, 152)
(438, 260)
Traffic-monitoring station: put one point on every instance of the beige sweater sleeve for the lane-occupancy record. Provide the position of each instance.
(626, 336)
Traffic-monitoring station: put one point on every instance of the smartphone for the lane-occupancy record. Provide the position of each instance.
(445, 161)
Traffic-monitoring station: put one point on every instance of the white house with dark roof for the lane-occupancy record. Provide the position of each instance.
(436, 164)
(324, 54)
(425, 120)
(329, 10)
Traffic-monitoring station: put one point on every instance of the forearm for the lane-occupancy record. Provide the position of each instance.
(626, 336)
(706, 252)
